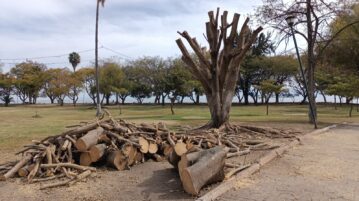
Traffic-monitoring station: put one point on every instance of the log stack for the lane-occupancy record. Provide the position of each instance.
(72, 155)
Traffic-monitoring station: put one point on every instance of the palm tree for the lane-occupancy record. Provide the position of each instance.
(74, 59)
(98, 111)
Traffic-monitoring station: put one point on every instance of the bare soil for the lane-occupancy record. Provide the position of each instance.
(324, 168)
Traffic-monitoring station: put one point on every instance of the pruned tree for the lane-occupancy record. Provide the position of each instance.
(219, 74)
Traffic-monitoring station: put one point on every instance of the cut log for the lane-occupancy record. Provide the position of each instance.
(180, 148)
(166, 149)
(104, 139)
(97, 151)
(173, 158)
(24, 171)
(153, 148)
(130, 152)
(13, 170)
(117, 159)
(88, 140)
(64, 146)
(85, 159)
(207, 168)
(144, 145)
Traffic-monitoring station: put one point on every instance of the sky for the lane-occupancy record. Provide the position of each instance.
(128, 28)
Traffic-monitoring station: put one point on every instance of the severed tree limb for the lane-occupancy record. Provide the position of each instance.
(235, 171)
(14, 170)
(48, 178)
(239, 153)
(68, 165)
(118, 137)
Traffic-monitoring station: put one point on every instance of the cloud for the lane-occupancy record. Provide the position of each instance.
(132, 27)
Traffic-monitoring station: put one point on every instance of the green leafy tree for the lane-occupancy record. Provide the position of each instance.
(111, 78)
(268, 88)
(87, 76)
(29, 81)
(178, 82)
(77, 84)
(58, 84)
(6, 88)
(252, 71)
(140, 81)
(345, 86)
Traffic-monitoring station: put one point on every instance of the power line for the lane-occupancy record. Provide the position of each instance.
(47, 57)
(116, 52)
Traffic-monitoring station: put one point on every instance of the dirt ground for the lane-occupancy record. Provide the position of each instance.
(147, 181)
(324, 168)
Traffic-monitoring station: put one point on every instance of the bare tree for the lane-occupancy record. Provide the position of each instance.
(219, 74)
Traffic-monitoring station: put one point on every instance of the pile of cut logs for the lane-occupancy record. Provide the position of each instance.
(73, 155)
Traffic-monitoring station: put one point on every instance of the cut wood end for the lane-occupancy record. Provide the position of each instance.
(180, 148)
(144, 145)
(153, 148)
(187, 183)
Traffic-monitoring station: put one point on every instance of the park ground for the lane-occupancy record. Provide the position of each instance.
(148, 181)
(324, 167)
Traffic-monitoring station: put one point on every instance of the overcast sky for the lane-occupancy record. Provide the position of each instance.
(36, 28)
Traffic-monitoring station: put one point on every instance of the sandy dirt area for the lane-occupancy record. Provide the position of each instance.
(325, 167)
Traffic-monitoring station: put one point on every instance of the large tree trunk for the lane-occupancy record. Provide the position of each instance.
(197, 98)
(219, 74)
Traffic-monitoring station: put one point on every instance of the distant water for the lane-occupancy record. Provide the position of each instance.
(84, 98)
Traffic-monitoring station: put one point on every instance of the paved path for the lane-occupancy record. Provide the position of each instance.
(325, 167)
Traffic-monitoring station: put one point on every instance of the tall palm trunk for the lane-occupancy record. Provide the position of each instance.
(98, 112)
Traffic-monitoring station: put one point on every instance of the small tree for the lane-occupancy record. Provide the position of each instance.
(6, 87)
(76, 83)
(268, 88)
(74, 59)
(219, 74)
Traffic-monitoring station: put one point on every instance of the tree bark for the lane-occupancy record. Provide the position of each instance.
(88, 140)
(197, 98)
(277, 98)
(311, 62)
(202, 168)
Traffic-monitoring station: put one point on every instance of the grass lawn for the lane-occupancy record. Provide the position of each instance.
(18, 126)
